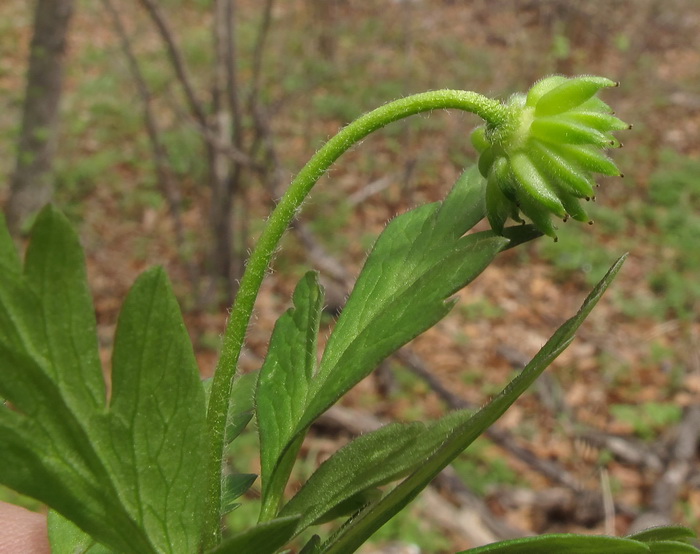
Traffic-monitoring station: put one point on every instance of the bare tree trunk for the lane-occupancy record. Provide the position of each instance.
(32, 184)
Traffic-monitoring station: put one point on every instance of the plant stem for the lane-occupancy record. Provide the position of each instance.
(490, 110)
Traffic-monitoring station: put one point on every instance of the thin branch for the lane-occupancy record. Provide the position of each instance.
(258, 49)
(160, 156)
(232, 86)
(176, 59)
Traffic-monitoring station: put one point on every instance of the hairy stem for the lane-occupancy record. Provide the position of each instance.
(490, 110)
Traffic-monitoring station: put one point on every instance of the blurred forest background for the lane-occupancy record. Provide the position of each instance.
(181, 122)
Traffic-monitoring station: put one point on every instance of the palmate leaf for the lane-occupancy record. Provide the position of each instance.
(421, 258)
(129, 472)
(459, 437)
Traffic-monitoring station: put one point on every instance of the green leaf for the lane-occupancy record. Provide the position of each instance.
(349, 506)
(556, 544)
(384, 455)
(421, 258)
(54, 269)
(235, 486)
(361, 527)
(66, 538)
(264, 538)
(128, 474)
(671, 547)
(283, 388)
(313, 546)
(9, 259)
(156, 416)
(364, 463)
(242, 404)
(664, 533)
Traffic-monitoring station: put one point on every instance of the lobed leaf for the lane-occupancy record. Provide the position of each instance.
(283, 388)
(128, 474)
(420, 259)
(362, 526)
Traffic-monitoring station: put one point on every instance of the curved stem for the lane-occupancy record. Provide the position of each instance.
(490, 110)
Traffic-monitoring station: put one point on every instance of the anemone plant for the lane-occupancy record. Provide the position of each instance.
(143, 469)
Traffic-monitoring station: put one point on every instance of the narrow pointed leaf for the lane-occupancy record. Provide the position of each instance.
(387, 454)
(361, 527)
(264, 538)
(664, 533)
(556, 544)
(242, 404)
(671, 547)
(235, 486)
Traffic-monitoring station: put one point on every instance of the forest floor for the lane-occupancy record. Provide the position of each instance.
(610, 414)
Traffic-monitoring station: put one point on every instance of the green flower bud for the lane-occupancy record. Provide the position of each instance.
(541, 161)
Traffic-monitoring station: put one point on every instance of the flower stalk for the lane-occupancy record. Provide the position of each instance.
(537, 151)
(492, 111)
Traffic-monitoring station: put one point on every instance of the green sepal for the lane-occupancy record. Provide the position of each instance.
(540, 219)
(573, 207)
(534, 185)
(563, 170)
(558, 130)
(498, 207)
(595, 104)
(486, 161)
(588, 157)
(570, 93)
(478, 139)
(542, 87)
(599, 121)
